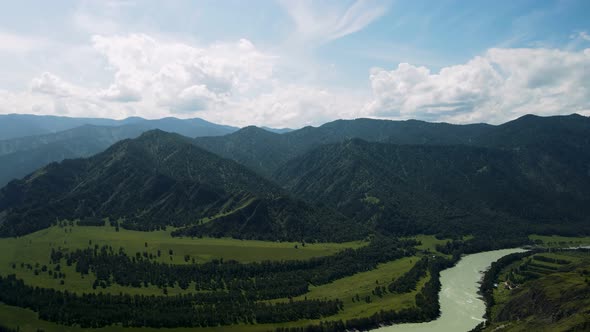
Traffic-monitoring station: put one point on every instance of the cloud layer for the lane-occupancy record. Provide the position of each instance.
(294, 63)
(231, 82)
(240, 84)
(498, 86)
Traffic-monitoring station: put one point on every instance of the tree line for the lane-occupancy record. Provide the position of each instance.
(99, 310)
(258, 280)
(427, 307)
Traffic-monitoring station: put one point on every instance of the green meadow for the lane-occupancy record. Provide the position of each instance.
(561, 241)
(25, 256)
(34, 249)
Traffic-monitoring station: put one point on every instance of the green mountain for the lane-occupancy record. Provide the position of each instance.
(21, 156)
(256, 148)
(408, 189)
(565, 139)
(532, 173)
(264, 151)
(163, 179)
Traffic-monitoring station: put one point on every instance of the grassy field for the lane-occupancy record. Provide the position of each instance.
(346, 288)
(363, 284)
(429, 242)
(27, 321)
(561, 241)
(34, 249)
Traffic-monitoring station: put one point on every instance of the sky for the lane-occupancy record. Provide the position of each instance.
(292, 63)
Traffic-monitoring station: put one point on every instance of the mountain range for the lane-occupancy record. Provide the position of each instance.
(82, 137)
(161, 179)
(340, 181)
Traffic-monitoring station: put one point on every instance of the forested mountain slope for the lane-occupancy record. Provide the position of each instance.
(406, 189)
(264, 152)
(162, 179)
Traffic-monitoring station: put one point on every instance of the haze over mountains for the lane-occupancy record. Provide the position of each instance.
(336, 182)
(34, 141)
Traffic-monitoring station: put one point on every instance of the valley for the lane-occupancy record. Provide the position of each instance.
(294, 166)
(344, 226)
(33, 250)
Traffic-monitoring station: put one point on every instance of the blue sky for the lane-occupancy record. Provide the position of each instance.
(294, 63)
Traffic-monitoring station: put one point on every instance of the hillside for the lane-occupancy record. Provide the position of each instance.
(544, 292)
(256, 148)
(264, 152)
(565, 139)
(162, 179)
(408, 189)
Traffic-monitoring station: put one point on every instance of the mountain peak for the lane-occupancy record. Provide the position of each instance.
(254, 130)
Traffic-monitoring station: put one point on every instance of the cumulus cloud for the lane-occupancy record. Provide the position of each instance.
(237, 83)
(180, 76)
(296, 106)
(495, 87)
(234, 83)
(50, 84)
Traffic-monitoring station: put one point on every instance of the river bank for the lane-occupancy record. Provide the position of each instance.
(461, 305)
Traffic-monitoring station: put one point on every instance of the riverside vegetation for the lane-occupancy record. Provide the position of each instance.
(540, 290)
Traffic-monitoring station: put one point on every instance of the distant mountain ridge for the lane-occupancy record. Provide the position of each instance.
(264, 152)
(21, 156)
(23, 125)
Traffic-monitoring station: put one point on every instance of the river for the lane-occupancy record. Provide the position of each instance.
(461, 307)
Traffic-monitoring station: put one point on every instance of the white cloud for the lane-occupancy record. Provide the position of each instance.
(238, 83)
(50, 84)
(499, 86)
(319, 22)
(176, 75)
(583, 35)
(295, 106)
(192, 99)
(233, 83)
